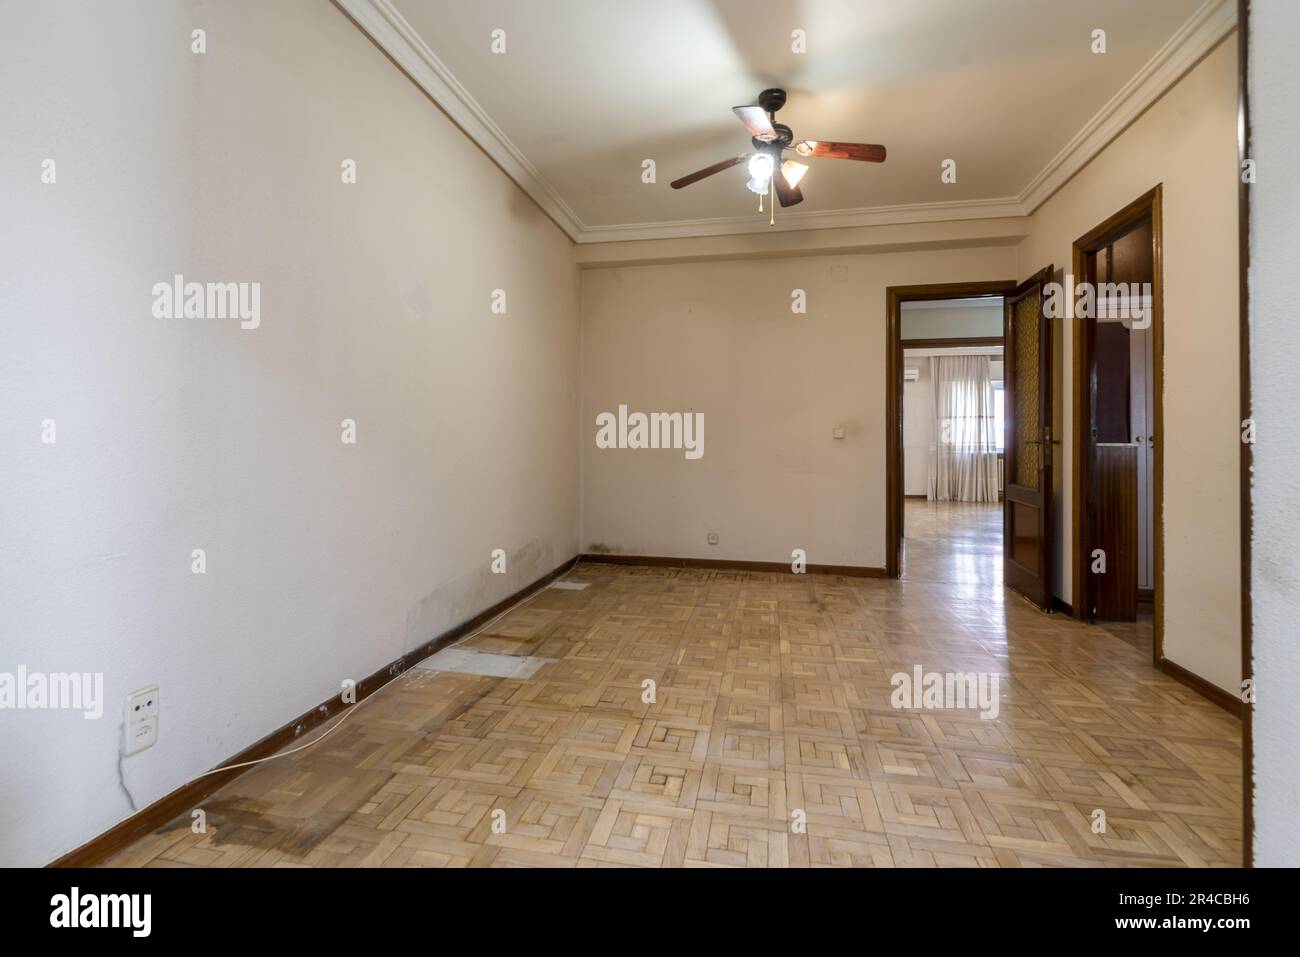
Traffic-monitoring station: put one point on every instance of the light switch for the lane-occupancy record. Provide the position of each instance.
(838, 432)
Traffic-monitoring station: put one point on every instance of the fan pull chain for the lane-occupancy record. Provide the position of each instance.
(760, 202)
(771, 200)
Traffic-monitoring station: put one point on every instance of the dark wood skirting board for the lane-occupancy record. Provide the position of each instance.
(187, 796)
(722, 564)
(1063, 606)
(1224, 699)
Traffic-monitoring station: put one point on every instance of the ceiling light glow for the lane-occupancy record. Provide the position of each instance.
(793, 172)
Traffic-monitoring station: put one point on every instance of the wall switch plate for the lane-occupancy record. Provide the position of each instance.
(141, 734)
(142, 705)
(713, 538)
(838, 432)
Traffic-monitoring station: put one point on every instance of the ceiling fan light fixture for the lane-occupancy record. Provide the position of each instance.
(761, 166)
(805, 147)
(792, 172)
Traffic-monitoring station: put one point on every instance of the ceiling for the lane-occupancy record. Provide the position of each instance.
(589, 89)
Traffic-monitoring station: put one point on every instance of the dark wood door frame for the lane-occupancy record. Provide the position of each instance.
(1146, 205)
(1023, 502)
(895, 296)
(1247, 452)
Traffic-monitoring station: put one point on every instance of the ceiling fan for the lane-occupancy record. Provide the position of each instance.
(768, 173)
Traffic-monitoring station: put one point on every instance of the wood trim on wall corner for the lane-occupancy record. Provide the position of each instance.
(155, 815)
(1224, 699)
(726, 564)
(1247, 452)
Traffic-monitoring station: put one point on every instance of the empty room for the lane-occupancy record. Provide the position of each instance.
(567, 434)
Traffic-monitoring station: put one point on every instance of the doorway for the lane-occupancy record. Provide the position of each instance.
(950, 539)
(1118, 453)
(953, 417)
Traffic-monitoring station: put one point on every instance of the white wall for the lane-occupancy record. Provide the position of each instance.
(1274, 358)
(720, 338)
(922, 320)
(918, 426)
(1187, 141)
(324, 561)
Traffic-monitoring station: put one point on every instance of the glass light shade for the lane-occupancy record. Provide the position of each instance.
(761, 166)
(793, 172)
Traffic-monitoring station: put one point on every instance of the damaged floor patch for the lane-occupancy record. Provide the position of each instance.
(570, 586)
(469, 662)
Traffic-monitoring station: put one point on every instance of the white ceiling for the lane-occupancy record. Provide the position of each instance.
(588, 89)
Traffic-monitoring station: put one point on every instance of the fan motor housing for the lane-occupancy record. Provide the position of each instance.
(772, 100)
(784, 137)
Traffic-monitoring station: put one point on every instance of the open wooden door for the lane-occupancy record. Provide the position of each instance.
(1027, 504)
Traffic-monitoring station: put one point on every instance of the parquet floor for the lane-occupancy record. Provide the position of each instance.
(954, 542)
(771, 705)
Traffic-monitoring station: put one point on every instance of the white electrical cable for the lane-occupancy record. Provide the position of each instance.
(344, 717)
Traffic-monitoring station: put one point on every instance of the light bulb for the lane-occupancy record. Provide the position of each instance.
(761, 166)
(759, 185)
(793, 172)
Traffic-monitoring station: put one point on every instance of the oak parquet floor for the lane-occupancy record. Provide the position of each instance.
(772, 701)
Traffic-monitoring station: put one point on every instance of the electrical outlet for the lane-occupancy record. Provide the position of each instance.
(713, 538)
(141, 734)
(142, 705)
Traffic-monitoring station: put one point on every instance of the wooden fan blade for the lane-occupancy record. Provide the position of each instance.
(700, 174)
(866, 152)
(787, 194)
(756, 121)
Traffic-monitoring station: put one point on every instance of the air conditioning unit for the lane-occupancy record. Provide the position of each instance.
(911, 374)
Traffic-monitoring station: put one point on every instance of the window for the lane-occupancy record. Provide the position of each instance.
(999, 413)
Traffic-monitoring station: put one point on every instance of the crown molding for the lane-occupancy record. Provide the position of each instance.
(1212, 21)
(389, 30)
(827, 219)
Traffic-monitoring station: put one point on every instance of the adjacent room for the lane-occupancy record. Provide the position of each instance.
(954, 419)
(445, 434)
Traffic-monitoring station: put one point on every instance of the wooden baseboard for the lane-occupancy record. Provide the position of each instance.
(187, 796)
(1224, 699)
(851, 571)
(1146, 596)
(921, 497)
(1063, 606)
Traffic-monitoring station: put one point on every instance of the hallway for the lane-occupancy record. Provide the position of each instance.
(956, 543)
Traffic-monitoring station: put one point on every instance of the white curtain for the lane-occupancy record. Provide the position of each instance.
(963, 450)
